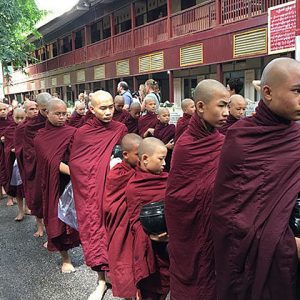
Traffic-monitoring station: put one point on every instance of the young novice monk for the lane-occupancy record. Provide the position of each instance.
(76, 120)
(16, 190)
(132, 120)
(150, 258)
(165, 132)
(120, 239)
(148, 122)
(188, 108)
(120, 114)
(51, 147)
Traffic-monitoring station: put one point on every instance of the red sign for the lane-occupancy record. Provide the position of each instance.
(281, 27)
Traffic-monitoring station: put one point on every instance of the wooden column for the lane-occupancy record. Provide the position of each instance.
(169, 20)
(135, 83)
(112, 31)
(171, 87)
(87, 33)
(132, 13)
(220, 72)
(73, 35)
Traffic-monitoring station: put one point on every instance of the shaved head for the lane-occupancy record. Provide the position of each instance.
(28, 104)
(237, 106)
(135, 105)
(149, 145)
(129, 141)
(102, 106)
(234, 99)
(119, 100)
(79, 104)
(162, 110)
(3, 105)
(207, 89)
(185, 103)
(43, 99)
(54, 103)
(18, 111)
(19, 115)
(99, 96)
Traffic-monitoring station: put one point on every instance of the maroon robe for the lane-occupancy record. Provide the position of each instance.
(256, 189)
(188, 210)
(89, 164)
(229, 122)
(89, 115)
(33, 178)
(151, 261)
(120, 116)
(120, 239)
(182, 125)
(10, 157)
(76, 120)
(149, 120)
(132, 124)
(51, 146)
(4, 123)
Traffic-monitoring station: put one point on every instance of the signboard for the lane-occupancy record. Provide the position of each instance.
(281, 27)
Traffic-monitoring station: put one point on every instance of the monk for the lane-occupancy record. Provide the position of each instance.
(188, 108)
(89, 114)
(31, 111)
(89, 163)
(150, 260)
(165, 132)
(237, 108)
(14, 190)
(4, 123)
(132, 119)
(147, 122)
(76, 120)
(256, 189)
(189, 195)
(32, 179)
(120, 239)
(120, 114)
(51, 147)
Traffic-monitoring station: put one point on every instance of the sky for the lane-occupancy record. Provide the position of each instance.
(55, 8)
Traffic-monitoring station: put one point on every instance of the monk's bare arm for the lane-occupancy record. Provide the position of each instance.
(63, 168)
(298, 246)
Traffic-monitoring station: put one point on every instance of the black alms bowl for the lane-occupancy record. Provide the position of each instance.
(152, 218)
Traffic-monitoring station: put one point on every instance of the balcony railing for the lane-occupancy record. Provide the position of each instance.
(195, 19)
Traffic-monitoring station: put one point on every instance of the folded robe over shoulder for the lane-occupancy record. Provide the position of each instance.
(229, 122)
(120, 116)
(33, 184)
(132, 124)
(164, 132)
(149, 120)
(151, 262)
(10, 157)
(89, 163)
(4, 123)
(76, 120)
(120, 239)
(188, 210)
(256, 189)
(182, 125)
(51, 146)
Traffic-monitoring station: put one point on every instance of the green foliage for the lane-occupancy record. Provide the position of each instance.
(17, 20)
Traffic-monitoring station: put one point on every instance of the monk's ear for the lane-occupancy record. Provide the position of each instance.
(144, 159)
(266, 93)
(125, 154)
(92, 109)
(200, 106)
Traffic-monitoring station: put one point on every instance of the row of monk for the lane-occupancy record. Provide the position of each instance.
(227, 198)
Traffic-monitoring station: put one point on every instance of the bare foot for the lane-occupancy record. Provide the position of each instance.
(100, 291)
(38, 234)
(10, 202)
(27, 211)
(67, 268)
(19, 217)
(45, 245)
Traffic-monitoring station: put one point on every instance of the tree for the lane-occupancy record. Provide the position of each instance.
(17, 22)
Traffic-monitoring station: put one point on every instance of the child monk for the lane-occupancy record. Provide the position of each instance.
(148, 122)
(150, 258)
(165, 132)
(120, 114)
(4, 123)
(89, 163)
(120, 239)
(132, 120)
(76, 119)
(14, 190)
(51, 146)
(188, 108)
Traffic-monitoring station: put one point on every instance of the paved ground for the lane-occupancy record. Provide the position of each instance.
(30, 272)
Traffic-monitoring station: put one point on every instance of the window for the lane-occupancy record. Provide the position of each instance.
(66, 44)
(185, 4)
(122, 20)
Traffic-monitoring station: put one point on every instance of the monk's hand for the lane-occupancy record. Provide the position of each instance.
(162, 237)
(298, 246)
(170, 145)
(13, 150)
(2, 139)
(149, 132)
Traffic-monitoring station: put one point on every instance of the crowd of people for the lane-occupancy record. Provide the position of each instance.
(228, 184)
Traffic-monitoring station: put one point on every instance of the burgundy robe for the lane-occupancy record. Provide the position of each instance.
(76, 120)
(89, 115)
(33, 178)
(151, 261)
(132, 124)
(188, 210)
(51, 146)
(120, 116)
(4, 123)
(229, 122)
(10, 157)
(89, 164)
(120, 239)
(182, 125)
(149, 120)
(256, 189)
